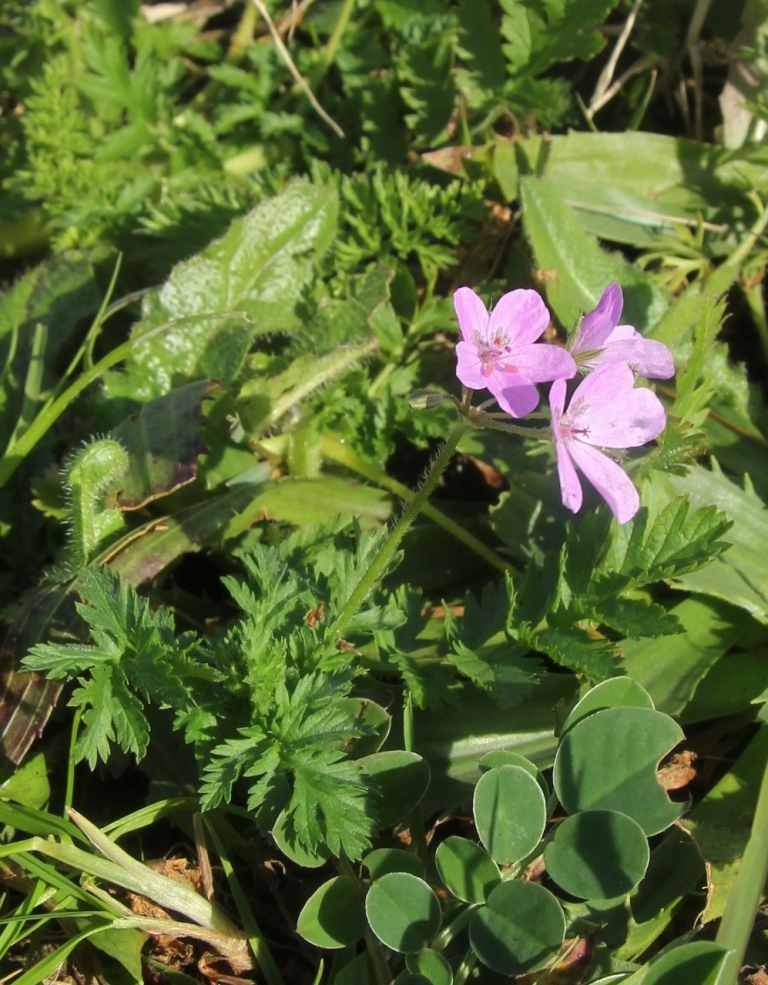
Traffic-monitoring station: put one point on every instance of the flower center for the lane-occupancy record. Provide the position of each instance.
(492, 351)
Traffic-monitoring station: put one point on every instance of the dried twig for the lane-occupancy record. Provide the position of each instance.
(300, 81)
(603, 87)
(599, 101)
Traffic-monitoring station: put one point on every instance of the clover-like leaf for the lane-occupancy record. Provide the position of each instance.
(403, 911)
(608, 761)
(597, 854)
(333, 916)
(520, 929)
(510, 813)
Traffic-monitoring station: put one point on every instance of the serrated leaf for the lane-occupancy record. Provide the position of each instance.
(637, 618)
(260, 267)
(111, 713)
(597, 660)
(333, 805)
(674, 542)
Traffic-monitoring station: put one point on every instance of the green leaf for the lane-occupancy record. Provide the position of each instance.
(672, 669)
(162, 441)
(111, 713)
(333, 916)
(739, 573)
(692, 963)
(519, 930)
(510, 813)
(608, 761)
(286, 839)
(431, 966)
(401, 778)
(582, 269)
(682, 537)
(597, 855)
(466, 869)
(260, 267)
(619, 692)
(384, 860)
(403, 911)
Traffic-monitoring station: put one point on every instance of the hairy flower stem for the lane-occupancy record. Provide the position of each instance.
(334, 449)
(379, 564)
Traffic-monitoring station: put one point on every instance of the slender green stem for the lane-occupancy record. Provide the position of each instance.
(329, 52)
(463, 971)
(745, 247)
(418, 833)
(259, 946)
(412, 510)
(739, 917)
(333, 448)
(70, 788)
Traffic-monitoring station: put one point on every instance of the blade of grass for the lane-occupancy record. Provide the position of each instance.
(259, 946)
(33, 381)
(740, 910)
(18, 450)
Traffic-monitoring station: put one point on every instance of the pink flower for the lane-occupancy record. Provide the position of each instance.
(498, 350)
(601, 339)
(605, 411)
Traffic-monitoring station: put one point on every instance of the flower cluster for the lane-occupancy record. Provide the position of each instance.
(499, 352)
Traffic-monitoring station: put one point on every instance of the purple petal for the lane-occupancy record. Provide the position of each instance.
(601, 394)
(472, 314)
(522, 314)
(469, 367)
(639, 418)
(570, 487)
(598, 324)
(645, 357)
(610, 480)
(517, 400)
(557, 403)
(540, 363)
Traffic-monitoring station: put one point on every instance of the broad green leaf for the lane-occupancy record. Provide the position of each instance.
(162, 441)
(57, 294)
(510, 813)
(29, 785)
(375, 719)
(431, 966)
(519, 930)
(403, 911)
(466, 869)
(693, 963)
(125, 946)
(383, 860)
(608, 761)
(672, 668)
(305, 501)
(619, 692)
(334, 915)
(454, 745)
(260, 267)
(579, 269)
(633, 187)
(402, 779)
(597, 854)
